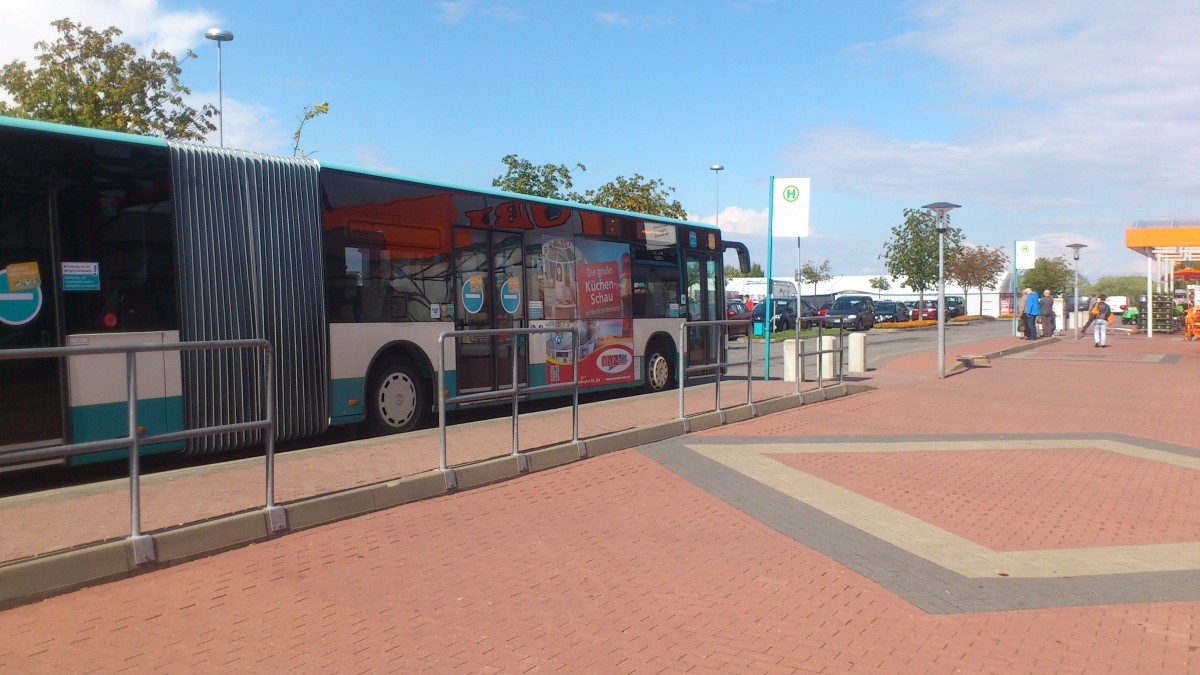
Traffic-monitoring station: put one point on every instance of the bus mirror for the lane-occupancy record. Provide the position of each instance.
(743, 255)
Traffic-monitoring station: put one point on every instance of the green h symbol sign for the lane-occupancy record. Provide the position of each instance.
(791, 193)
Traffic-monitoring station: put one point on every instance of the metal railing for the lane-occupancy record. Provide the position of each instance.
(840, 350)
(143, 546)
(714, 366)
(514, 391)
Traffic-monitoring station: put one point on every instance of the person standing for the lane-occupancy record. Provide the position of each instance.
(1046, 310)
(1031, 314)
(1103, 312)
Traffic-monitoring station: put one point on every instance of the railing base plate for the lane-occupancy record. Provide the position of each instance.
(143, 549)
(276, 518)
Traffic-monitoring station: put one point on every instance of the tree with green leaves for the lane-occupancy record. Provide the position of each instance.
(880, 284)
(813, 272)
(637, 194)
(978, 267)
(756, 270)
(86, 79)
(1054, 274)
(311, 112)
(522, 176)
(1130, 286)
(912, 252)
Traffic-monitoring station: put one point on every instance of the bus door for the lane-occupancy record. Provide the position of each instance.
(490, 271)
(704, 304)
(31, 401)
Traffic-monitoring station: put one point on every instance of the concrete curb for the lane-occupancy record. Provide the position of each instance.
(1023, 347)
(38, 578)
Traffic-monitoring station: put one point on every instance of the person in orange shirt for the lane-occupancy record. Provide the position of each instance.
(1191, 320)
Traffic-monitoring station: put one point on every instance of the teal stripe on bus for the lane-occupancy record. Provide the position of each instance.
(83, 132)
(341, 392)
(110, 420)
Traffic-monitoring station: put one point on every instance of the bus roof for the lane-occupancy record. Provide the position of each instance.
(121, 137)
(512, 195)
(66, 129)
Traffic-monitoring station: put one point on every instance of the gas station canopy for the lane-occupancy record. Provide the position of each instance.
(1173, 240)
(1165, 243)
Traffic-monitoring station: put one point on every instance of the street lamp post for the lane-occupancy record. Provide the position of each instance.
(1075, 307)
(942, 224)
(220, 36)
(717, 169)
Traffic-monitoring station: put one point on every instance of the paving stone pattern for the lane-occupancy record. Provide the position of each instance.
(666, 560)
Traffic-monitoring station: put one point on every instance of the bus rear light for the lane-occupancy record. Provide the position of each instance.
(141, 429)
(352, 401)
(110, 320)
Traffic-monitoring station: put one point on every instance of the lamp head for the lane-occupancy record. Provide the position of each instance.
(716, 167)
(1075, 248)
(941, 208)
(218, 35)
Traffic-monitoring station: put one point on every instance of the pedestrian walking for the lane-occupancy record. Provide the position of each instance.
(1095, 299)
(1031, 314)
(1046, 313)
(1103, 312)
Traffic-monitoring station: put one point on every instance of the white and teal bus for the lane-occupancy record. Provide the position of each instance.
(351, 275)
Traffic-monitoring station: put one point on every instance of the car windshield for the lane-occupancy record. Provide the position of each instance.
(847, 303)
(885, 306)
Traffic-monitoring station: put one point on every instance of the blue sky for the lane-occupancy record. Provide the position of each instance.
(1060, 122)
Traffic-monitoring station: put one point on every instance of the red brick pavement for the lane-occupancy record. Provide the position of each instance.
(617, 565)
(1014, 500)
(73, 517)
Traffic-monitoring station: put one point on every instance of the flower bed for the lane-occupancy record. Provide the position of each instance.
(901, 325)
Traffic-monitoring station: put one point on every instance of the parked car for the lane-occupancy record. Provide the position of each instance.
(924, 310)
(808, 314)
(888, 311)
(736, 310)
(825, 308)
(783, 313)
(854, 312)
(956, 305)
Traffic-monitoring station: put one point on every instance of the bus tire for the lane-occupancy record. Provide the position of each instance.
(397, 399)
(659, 371)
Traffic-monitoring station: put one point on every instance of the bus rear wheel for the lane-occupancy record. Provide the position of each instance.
(658, 375)
(397, 399)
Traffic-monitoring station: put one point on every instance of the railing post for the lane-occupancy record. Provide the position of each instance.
(750, 363)
(575, 392)
(522, 460)
(276, 515)
(799, 347)
(681, 369)
(451, 478)
(722, 335)
(143, 546)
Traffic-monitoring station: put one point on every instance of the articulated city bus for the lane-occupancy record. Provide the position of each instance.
(351, 275)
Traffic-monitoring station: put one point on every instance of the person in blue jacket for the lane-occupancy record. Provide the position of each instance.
(1031, 314)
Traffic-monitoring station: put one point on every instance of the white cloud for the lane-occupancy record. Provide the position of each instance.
(1073, 107)
(737, 220)
(371, 157)
(145, 24)
(250, 126)
(453, 11)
